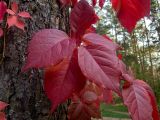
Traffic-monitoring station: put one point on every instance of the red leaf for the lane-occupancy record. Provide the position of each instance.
(100, 40)
(3, 7)
(24, 14)
(3, 105)
(130, 11)
(153, 102)
(1, 32)
(101, 3)
(138, 102)
(12, 20)
(100, 66)
(80, 110)
(14, 7)
(10, 12)
(62, 80)
(48, 47)
(81, 18)
(20, 24)
(119, 56)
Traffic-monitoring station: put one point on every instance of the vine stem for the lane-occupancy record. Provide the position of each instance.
(4, 38)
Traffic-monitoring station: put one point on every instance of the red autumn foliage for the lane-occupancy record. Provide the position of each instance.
(78, 24)
(86, 104)
(140, 100)
(84, 66)
(48, 50)
(14, 18)
(130, 11)
(63, 79)
(3, 7)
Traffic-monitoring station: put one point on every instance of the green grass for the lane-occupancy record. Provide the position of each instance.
(114, 111)
(114, 114)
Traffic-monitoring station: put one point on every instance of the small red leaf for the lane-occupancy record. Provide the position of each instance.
(10, 12)
(119, 56)
(12, 20)
(3, 7)
(24, 14)
(1, 32)
(80, 110)
(48, 47)
(130, 11)
(20, 24)
(81, 18)
(62, 80)
(100, 66)
(138, 102)
(14, 7)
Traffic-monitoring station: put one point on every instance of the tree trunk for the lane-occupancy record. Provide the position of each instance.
(24, 91)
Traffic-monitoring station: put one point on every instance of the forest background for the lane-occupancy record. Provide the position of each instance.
(141, 48)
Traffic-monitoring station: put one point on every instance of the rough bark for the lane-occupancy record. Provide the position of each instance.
(24, 91)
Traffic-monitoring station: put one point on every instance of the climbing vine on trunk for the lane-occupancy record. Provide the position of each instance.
(84, 66)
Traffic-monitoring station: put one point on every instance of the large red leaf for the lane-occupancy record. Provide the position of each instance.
(3, 7)
(137, 100)
(130, 11)
(62, 80)
(48, 47)
(101, 40)
(153, 102)
(100, 66)
(81, 18)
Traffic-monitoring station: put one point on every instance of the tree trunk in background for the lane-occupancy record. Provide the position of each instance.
(24, 91)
